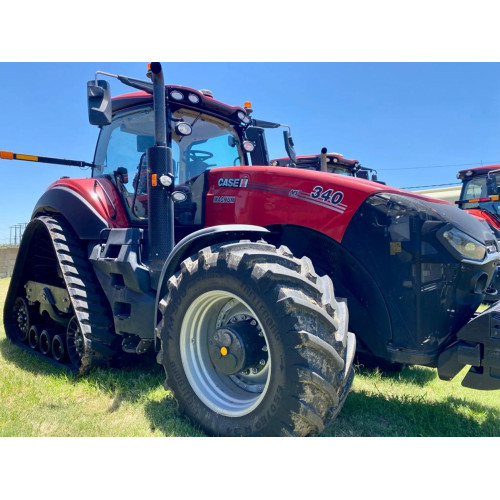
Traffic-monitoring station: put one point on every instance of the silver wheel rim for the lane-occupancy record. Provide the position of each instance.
(228, 395)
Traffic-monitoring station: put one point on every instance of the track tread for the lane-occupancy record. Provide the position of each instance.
(87, 298)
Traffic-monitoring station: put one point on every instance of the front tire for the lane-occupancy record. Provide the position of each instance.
(254, 342)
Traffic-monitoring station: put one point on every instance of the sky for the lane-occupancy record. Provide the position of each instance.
(416, 123)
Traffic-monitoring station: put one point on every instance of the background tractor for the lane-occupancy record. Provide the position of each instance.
(187, 242)
(480, 194)
(335, 163)
(479, 197)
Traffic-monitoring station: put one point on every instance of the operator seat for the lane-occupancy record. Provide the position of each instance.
(196, 167)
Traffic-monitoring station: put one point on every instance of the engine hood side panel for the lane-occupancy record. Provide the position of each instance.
(278, 195)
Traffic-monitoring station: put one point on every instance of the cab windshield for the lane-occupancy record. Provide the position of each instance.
(122, 145)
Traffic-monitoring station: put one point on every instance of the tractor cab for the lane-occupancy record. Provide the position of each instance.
(201, 134)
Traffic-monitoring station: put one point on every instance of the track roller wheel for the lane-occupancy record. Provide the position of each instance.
(254, 342)
(34, 337)
(59, 347)
(46, 336)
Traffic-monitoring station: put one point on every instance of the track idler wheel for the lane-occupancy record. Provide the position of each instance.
(34, 337)
(21, 319)
(59, 347)
(75, 343)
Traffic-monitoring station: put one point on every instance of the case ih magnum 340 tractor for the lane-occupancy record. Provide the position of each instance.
(185, 241)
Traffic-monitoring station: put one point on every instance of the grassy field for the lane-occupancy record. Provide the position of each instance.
(38, 399)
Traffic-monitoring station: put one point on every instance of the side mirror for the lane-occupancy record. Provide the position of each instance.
(289, 146)
(99, 102)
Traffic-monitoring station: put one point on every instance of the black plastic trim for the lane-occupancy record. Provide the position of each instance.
(83, 218)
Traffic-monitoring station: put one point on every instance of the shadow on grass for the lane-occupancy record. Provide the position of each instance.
(414, 375)
(135, 379)
(28, 360)
(164, 417)
(366, 414)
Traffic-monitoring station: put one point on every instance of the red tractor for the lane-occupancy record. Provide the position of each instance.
(335, 163)
(480, 194)
(186, 242)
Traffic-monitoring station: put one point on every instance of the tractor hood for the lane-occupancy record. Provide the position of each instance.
(325, 202)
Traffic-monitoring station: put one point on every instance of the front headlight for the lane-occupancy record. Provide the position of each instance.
(461, 243)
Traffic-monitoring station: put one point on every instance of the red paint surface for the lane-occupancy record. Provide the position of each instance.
(270, 197)
(94, 194)
(484, 215)
(267, 196)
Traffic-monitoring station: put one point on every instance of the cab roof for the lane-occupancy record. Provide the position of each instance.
(207, 102)
(467, 173)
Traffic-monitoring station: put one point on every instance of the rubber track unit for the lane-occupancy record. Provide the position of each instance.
(89, 303)
(315, 348)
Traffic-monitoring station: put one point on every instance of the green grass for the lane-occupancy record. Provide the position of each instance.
(38, 399)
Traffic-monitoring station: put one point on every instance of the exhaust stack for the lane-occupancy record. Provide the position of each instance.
(160, 180)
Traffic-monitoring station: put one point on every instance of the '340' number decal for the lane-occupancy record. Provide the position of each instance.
(328, 195)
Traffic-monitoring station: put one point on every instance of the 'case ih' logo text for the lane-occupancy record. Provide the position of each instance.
(233, 183)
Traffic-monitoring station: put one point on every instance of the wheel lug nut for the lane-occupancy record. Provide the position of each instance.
(264, 348)
(262, 362)
(254, 370)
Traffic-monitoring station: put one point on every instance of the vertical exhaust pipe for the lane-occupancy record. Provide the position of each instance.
(324, 160)
(160, 179)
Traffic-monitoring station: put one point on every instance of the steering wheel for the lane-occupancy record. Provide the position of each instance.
(199, 155)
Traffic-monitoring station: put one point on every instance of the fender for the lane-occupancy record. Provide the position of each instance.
(83, 217)
(369, 317)
(196, 241)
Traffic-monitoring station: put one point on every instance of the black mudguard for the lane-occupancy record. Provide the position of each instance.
(198, 240)
(84, 219)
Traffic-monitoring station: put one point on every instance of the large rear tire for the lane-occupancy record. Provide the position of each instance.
(254, 342)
